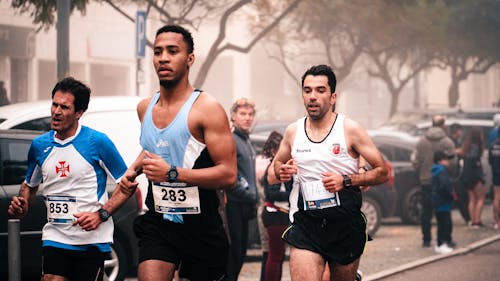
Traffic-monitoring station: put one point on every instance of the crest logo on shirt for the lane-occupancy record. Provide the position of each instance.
(336, 148)
(62, 169)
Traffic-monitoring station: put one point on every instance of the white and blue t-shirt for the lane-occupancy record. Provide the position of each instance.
(72, 176)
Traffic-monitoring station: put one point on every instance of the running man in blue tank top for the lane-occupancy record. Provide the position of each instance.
(73, 162)
(322, 152)
(188, 154)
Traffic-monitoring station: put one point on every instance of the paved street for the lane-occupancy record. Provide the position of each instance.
(395, 247)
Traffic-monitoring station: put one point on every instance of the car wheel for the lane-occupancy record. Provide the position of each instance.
(371, 209)
(411, 207)
(115, 266)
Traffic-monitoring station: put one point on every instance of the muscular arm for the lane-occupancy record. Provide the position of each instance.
(361, 143)
(220, 144)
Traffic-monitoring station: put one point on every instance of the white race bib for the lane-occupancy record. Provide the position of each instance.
(317, 197)
(60, 209)
(176, 198)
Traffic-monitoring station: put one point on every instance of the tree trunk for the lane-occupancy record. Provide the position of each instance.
(453, 93)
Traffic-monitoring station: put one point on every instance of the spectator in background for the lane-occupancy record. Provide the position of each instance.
(494, 132)
(460, 193)
(242, 201)
(494, 160)
(472, 174)
(275, 213)
(435, 139)
(261, 163)
(442, 199)
(4, 100)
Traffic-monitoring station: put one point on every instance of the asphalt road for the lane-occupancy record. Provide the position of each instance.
(480, 264)
(396, 252)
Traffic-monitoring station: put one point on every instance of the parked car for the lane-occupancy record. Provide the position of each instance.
(14, 145)
(403, 120)
(379, 201)
(486, 125)
(398, 147)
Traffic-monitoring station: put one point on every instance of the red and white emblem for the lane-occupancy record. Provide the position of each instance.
(336, 148)
(62, 169)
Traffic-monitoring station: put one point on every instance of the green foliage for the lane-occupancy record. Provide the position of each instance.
(43, 11)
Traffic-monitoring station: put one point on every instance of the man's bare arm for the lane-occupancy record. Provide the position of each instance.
(283, 169)
(19, 206)
(220, 144)
(361, 143)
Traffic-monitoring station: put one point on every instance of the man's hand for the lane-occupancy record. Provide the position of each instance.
(332, 182)
(18, 207)
(287, 171)
(87, 220)
(154, 167)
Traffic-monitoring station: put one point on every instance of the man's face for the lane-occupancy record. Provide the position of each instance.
(171, 59)
(317, 96)
(64, 119)
(243, 118)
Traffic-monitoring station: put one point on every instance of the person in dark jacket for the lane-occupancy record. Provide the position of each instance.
(435, 139)
(442, 200)
(241, 204)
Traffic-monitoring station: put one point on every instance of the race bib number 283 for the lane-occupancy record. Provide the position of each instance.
(176, 198)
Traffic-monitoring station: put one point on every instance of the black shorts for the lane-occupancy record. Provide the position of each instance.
(199, 254)
(340, 240)
(74, 265)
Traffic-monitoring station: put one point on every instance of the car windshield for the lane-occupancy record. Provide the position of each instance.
(1, 120)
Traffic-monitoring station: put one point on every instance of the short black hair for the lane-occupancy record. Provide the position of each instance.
(440, 155)
(79, 90)
(186, 35)
(455, 127)
(325, 70)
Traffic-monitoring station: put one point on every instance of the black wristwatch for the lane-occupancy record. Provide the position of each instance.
(172, 174)
(347, 181)
(103, 215)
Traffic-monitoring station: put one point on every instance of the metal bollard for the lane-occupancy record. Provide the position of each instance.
(14, 240)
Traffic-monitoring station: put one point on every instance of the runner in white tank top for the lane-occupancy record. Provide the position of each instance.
(321, 151)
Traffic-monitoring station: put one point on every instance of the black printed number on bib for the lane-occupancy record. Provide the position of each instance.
(176, 198)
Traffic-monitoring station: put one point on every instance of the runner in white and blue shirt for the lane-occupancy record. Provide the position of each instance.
(74, 172)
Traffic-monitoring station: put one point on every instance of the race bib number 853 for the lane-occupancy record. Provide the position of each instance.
(60, 209)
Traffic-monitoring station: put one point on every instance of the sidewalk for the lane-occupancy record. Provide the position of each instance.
(397, 246)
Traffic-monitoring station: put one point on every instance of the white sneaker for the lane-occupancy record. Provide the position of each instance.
(443, 249)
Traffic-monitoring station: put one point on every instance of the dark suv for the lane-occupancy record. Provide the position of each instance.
(14, 145)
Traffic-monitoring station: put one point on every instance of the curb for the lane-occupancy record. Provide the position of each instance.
(417, 263)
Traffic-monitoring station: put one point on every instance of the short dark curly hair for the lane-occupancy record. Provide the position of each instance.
(325, 70)
(79, 90)
(186, 35)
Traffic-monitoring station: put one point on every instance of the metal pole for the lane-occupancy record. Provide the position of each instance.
(63, 10)
(14, 241)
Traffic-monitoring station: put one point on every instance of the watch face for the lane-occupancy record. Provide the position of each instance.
(172, 174)
(103, 215)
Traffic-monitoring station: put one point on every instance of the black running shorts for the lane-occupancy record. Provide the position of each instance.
(339, 240)
(200, 253)
(72, 264)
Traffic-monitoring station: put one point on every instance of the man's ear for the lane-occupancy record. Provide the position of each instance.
(190, 60)
(79, 114)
